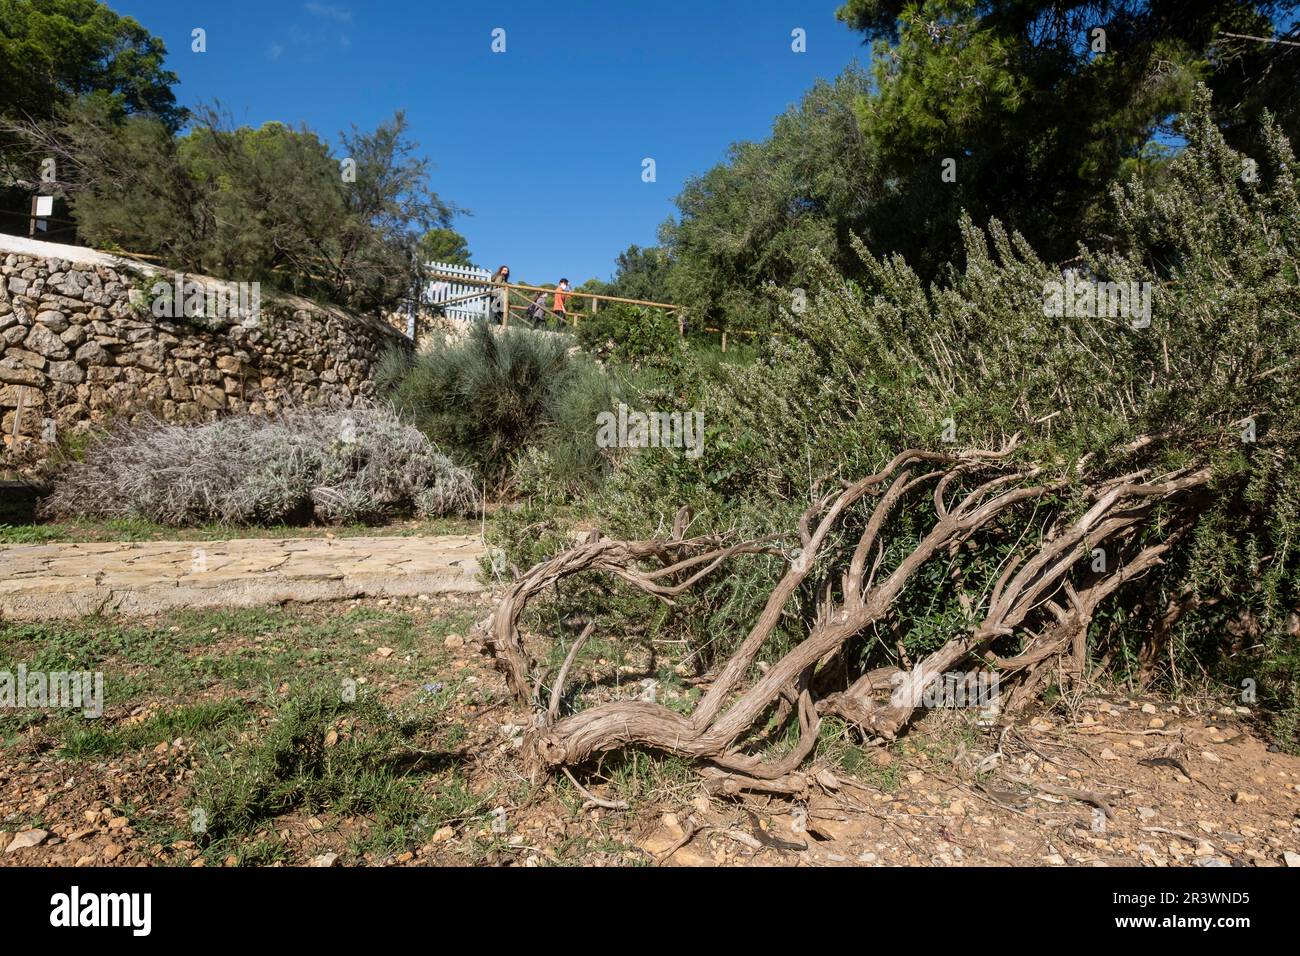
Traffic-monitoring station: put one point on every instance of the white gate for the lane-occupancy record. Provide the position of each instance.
(467, 302)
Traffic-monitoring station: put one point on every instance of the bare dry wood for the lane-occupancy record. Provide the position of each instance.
(1039, 594)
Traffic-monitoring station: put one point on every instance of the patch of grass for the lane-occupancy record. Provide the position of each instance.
(673, 693)
(642, 776)
(838, 743)
(235, 622)
(84, 742)
(29, 534)
(25, 821)
(20, 531)
(262, 852)
(320, 753)
(578, 850)
(255, 694)
(87, 644)
(154, 825)
(394, 629)
(275, 644)
(454, 621)
(945, 735)
(451, 802)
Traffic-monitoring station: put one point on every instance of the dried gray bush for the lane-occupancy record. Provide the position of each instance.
(337, 465)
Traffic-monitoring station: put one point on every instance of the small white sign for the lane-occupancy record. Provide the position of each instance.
(44, 205)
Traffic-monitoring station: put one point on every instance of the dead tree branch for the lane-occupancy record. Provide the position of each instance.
(1039, 594)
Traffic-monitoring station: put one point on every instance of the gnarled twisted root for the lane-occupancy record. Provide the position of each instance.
(1032, 586)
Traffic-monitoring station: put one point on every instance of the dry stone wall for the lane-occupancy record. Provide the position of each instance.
(80, 345)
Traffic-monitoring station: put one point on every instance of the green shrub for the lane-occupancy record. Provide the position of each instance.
(632, 335)
(296, 763)
(489, 395)
(871, 368)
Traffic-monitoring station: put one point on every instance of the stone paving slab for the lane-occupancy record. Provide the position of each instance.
(48, 581)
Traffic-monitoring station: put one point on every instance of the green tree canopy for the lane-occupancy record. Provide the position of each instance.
(1034, 112)
(52, 51)
(755, 218)
(272, 204)
(640, 273)
(1041, 104)
(444, 244)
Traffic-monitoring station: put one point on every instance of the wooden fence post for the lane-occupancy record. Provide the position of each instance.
(18, 421)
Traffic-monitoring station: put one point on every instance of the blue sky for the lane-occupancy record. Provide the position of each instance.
(544, 143)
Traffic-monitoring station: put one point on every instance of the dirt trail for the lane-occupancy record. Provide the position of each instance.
(48, 581)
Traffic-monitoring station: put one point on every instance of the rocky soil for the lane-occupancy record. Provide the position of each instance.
(1106, 780)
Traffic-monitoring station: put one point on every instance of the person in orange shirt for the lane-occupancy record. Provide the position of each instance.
(561, 294)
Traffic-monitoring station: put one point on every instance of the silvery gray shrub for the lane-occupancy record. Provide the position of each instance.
(337, 465)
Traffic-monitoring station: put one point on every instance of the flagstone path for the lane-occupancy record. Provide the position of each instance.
(48, 581)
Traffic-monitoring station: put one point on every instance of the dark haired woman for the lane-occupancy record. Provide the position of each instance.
(499, 296)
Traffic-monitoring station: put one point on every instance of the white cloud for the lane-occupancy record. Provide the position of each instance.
(330, 11)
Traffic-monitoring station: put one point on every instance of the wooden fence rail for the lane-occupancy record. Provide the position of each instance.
(485, 281)
(476, 286)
